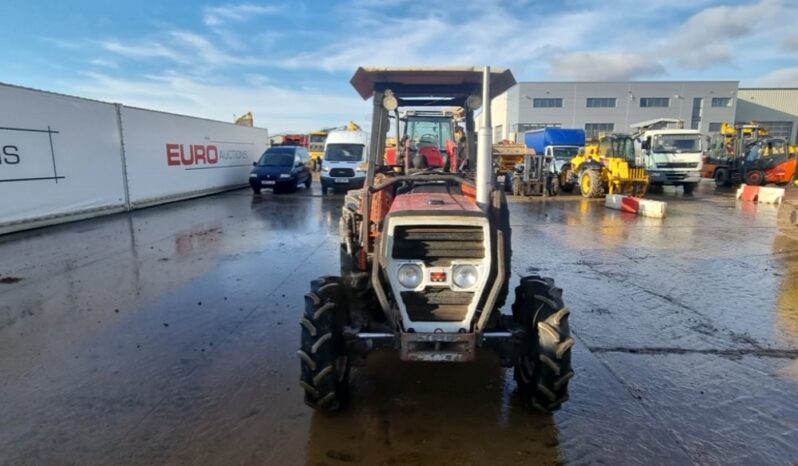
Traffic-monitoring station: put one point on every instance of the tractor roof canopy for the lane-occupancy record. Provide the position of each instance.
(440, 86)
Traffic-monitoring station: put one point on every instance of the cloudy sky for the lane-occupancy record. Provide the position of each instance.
(289, 62)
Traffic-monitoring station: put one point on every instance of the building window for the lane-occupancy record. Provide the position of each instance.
(600, 102)
(721, 102)
(714, 127)
(698, 106)
(592, 130)
(524, 127)
(548, 102)
(655, 102)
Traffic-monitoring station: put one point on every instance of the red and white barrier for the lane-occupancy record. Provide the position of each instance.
(642, 207)
(760, 194)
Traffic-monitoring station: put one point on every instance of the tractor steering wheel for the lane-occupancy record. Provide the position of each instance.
(428, 139)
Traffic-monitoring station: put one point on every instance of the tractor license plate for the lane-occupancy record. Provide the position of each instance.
(342, 180)
(500, 179)
(268, 182)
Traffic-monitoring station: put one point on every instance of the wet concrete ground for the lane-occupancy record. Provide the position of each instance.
(168, 336)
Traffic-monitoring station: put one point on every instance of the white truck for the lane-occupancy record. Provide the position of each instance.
(344, 164)
(672, 155)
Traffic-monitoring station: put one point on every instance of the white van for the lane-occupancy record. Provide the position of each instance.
(344, 164)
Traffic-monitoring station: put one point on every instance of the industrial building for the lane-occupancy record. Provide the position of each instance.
(774, 108)
(614, 106)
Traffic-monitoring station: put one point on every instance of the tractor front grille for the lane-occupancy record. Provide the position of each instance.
(438, 245)
(437, 304)
(342, 172)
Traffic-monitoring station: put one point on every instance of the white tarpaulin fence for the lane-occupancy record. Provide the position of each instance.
(63, 158)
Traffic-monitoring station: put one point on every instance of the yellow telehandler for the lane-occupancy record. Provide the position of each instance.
(608, 165)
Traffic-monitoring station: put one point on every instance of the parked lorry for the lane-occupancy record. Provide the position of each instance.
(558, 146)
(344, 164)
(672, 155)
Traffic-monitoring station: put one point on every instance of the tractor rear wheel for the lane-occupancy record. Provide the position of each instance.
(590, 183)
(544, 369)
(324, 361)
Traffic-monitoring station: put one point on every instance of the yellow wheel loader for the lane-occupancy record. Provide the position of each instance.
(608, 166)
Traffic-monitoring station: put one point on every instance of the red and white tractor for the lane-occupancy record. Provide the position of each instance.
(425, 256)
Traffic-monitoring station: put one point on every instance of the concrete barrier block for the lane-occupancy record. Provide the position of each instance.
(633, 205)
(748, 193)
(770, 195)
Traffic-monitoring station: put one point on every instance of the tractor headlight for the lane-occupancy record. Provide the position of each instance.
(465, 276)
(409, 275)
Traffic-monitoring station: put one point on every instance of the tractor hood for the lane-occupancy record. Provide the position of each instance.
(440, 203)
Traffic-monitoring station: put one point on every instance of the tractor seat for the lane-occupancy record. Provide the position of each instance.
(432, 155)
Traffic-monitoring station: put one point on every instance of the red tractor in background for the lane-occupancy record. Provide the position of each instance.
(432, 134)
(425, 255)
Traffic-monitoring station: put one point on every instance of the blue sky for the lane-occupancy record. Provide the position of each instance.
(289, 62)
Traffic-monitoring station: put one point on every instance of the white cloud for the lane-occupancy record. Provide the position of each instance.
(785, 77)
(274, 107)
(181, 47)
(218, 15)
(146, 50)
(435, 38)
(708, 37)
(604, 66)
(104, 62)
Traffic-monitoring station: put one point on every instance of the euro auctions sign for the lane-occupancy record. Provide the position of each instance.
(197, 154)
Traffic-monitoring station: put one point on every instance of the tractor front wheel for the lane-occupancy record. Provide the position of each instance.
(544, 369)
(590, 183)
(324, 361)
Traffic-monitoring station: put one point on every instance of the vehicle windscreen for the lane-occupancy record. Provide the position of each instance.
(317, 138)
(276, 159)
(565, 153)
(344, 152)
(432, 131)
(677, 143)
(624, 147)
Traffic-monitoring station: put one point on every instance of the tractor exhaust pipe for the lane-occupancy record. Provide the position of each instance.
(485, 147)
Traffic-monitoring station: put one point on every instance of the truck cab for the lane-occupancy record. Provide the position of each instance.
(344, 162)
(672, 156)
(558, 146)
